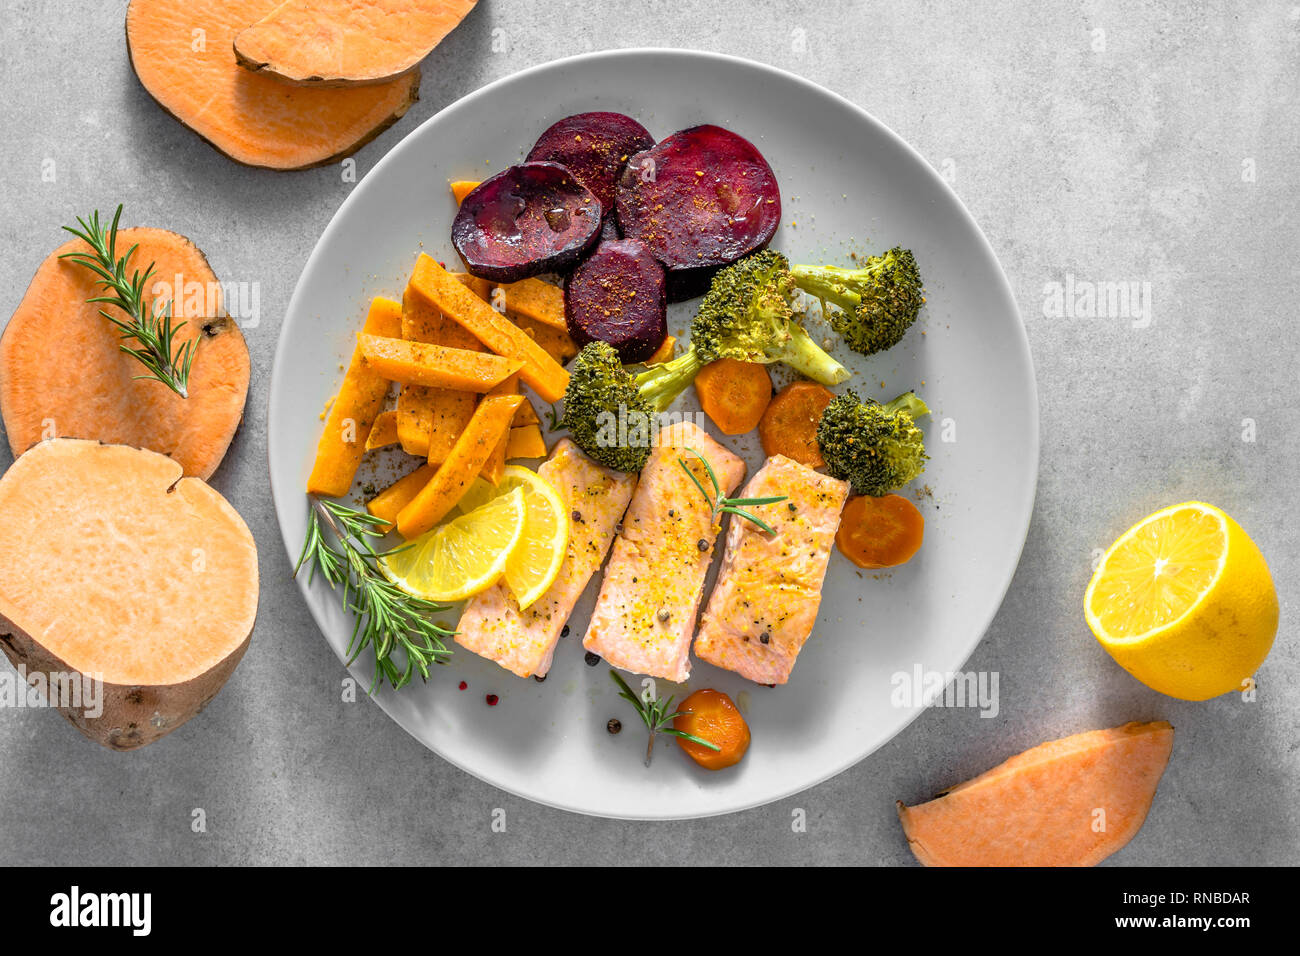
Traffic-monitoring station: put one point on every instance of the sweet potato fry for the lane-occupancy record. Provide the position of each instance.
(438, 287)
(417, 363)
(490, 423)
(354, 410)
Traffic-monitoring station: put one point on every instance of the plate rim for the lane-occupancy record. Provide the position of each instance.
(1008, 293)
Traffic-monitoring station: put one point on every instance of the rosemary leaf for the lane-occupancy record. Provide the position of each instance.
(149, 330)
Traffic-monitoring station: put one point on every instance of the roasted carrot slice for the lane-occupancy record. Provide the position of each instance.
(383, 432)
(343, 442)
(491, 421)
(789, 426)
(536, 300)
(880, 532)
(711, 715)
(62, 372)
(346, 42)
(665, 352)
(399, 494)
(115, 568)
(417, 363)
(438, 287)
(257, 120)
(460, 188)
(526, 441)
(734, 394)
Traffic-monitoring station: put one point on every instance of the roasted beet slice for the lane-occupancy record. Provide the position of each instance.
(526, 220)
(618, 295)
(594, 147)
(700, 200)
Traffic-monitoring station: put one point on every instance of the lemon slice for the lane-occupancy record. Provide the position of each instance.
(1184, 602)
(466, 555)
(533, 566)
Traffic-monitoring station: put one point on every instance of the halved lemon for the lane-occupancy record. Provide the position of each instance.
(1184, 602)
(533, 566)
(466, 555)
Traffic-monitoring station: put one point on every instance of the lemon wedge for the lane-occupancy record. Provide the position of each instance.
(1184, 602)
(535, 563)
(465, 556)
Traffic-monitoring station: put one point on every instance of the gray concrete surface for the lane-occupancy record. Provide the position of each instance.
(1152, 142)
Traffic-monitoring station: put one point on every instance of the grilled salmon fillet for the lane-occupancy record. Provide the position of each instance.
(645, 615)
(765, 602)
(523, 642)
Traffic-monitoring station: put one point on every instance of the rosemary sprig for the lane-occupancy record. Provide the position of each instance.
(147, 326)
(721, 503)
(387, 618)
(655, 714)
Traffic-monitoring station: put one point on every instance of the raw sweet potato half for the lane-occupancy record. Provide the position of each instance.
(346, 42)
(63, 374)
(183, 53)
(113, 565)
(1068, 802)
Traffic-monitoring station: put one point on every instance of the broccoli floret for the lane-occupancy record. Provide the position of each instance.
(876, 448)
(747, 315)
(605, 413)
(875, 305)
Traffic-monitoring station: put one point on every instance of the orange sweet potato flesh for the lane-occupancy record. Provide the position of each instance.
(443, 291)
(354, 410)
(1044, 807)
(389, 502)
(490, 424)
(556, 343)
(536, 300)
(460, 188)
(417, 363)
(383, 432)
(346, 42)
(526, 441)
(113, 564)
(254, 119)
(430, 419)
(63, 374)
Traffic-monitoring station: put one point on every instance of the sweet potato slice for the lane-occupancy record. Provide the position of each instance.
(1068, 802)
(416, 363)
(346, 42)
(62, 373)
(354, 409)
(440, 289)
(256, 120)
(113, 565)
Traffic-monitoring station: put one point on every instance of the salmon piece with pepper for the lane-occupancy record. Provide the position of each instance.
(523, 642)
(769, 587)
(645, 616)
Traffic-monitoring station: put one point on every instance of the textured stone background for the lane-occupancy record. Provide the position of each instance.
(1152, 142)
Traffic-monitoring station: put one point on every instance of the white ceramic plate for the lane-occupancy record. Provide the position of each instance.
(848, 184)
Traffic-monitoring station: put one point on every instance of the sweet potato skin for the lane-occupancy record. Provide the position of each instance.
(136, 711)
(398, 34)
(134, 715)
(93, 393)
(239, 99)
